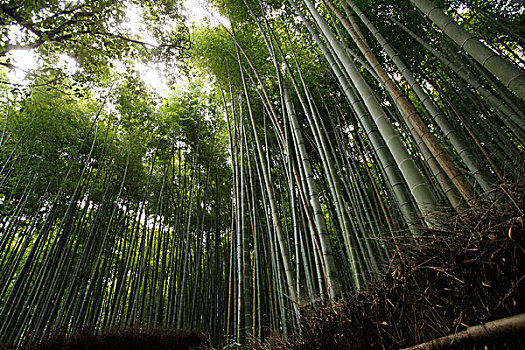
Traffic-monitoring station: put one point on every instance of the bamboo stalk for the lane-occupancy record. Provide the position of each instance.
(488, 331)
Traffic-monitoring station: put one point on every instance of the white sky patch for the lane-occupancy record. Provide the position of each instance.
(199, 10)
(23, 60)
(135, 25)
(152, 75)
(16, 35)
(68, 64)
(27, 60)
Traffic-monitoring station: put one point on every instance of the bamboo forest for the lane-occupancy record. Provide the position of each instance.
(274, 174)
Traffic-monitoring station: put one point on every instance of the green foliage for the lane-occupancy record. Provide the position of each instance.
(94, 33)
(45, 132)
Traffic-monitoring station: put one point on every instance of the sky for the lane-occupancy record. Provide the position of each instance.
(197, 11)
(152, 75)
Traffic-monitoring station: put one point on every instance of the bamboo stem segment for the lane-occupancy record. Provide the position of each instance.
(488, 331)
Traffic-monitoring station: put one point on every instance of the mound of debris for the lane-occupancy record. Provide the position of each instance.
(466, 275)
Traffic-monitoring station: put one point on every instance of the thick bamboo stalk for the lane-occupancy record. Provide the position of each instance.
(508, 73)
(385, 158)
(488, 331)
(414, 120)
(449, 131)
(507, 115)
(419, 187)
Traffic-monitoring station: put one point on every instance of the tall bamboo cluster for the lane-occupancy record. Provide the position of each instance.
(351, 129)
(358, 157)
(106, 241)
